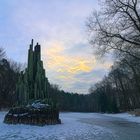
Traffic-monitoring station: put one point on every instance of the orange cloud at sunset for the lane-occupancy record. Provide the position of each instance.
(56, 59)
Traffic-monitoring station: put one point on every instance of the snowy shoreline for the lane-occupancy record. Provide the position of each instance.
(127, 116)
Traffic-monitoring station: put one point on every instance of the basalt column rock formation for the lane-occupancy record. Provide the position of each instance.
(32, 84)
(33, 103)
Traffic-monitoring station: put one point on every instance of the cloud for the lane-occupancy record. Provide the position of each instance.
(55, 58)
(59, 26)
(71, 69)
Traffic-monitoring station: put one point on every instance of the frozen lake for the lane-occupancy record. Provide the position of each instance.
(77, 126)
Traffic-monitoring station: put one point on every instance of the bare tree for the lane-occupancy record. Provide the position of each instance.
(15, 66)
(2, 53)
(116, 27)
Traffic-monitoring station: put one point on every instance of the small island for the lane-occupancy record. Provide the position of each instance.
(34, 106)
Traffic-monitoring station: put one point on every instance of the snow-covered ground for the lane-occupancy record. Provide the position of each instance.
(73, 127)
(129, 117)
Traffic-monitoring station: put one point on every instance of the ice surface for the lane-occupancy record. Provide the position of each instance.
(72, 128)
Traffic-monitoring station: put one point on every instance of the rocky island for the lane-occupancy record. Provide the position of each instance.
(34, 106)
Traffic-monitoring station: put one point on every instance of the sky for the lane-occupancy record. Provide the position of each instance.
(60, 28)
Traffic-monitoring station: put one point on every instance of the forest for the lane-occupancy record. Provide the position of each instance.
(116, 31)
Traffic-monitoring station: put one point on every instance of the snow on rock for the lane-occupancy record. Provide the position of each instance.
(126, 116)
(39, 105)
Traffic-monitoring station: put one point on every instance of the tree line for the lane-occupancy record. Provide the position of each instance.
(116, 30)
(9, 72)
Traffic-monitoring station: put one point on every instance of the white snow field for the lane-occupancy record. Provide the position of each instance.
(75, 126)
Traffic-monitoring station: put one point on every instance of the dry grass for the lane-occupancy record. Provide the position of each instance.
(135, 112)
